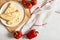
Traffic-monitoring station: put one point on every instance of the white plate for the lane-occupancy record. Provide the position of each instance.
(18, 6)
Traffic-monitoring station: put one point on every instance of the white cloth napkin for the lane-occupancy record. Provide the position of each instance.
(43, 16)
(39, 17)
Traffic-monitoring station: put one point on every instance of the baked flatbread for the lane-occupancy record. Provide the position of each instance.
(12, 15)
